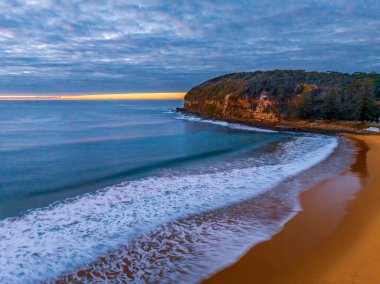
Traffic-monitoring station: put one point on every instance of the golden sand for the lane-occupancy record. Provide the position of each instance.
(335, 239)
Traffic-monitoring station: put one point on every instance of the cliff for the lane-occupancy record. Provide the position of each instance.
(285, 95)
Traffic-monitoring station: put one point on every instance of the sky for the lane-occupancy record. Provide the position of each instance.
(116, 46)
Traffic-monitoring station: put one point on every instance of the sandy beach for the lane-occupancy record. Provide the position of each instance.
(335, 239)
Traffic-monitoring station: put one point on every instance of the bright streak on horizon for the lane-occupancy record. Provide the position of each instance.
(127, 96)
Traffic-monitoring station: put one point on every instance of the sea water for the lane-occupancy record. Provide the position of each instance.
(157, 195)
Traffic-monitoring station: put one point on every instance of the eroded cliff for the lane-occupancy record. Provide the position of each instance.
(286, 94)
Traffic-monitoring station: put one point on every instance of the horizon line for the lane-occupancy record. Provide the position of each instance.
(117, 96)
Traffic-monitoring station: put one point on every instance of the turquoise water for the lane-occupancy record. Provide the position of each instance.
(54, 150)
(80, 179)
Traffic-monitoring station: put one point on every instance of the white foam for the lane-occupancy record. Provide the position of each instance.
(224, 123)
(51, 241)
(186, 251)
(373, 129)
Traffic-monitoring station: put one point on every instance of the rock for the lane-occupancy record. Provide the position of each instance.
(285, 95)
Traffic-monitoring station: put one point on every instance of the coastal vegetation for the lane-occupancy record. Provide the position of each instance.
(288, 95)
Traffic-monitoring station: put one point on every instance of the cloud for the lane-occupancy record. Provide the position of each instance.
(49, 46)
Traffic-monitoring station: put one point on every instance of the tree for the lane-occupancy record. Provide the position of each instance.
(368, 108)
(330, 109)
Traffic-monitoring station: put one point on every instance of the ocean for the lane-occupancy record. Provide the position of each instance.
(134, 191)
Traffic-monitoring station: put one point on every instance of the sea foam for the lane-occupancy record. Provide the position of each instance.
(48, 242)
(224, 123)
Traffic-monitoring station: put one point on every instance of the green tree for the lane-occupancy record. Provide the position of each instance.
(368, 108)
(330, 109)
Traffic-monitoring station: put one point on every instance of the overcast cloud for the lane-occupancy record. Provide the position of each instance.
(74, 46)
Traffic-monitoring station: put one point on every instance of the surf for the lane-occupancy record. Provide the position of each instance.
(69, 234)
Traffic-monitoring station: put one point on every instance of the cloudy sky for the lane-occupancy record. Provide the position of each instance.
(97, 46)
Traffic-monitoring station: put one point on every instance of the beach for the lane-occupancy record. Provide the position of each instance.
(334, 239)
(180, 211)
(207, 194)
(199, 142)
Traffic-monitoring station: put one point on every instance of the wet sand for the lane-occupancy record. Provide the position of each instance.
(335, 239)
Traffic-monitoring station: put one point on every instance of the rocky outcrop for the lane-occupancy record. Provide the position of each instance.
(284, 95)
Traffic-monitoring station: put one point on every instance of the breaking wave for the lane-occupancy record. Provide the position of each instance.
(48, 242)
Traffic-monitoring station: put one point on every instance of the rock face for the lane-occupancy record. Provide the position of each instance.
(285, 94)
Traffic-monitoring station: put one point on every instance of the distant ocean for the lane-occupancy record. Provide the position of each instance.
(132, 190)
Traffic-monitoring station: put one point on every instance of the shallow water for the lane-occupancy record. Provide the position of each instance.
(79, 180)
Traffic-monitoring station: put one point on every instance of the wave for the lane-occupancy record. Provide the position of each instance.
(29, 120)
(86, 140)
(224, 123)
(48, 242)
(146, 168)
(191, 249)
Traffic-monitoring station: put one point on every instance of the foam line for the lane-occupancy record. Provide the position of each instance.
(48, 242)
(224, 123)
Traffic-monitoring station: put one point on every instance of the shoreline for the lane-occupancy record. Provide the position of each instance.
(317, 126)
(280, 207)
(278, 259)
(332, 240)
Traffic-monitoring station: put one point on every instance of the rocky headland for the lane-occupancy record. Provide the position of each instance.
(329, 102)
